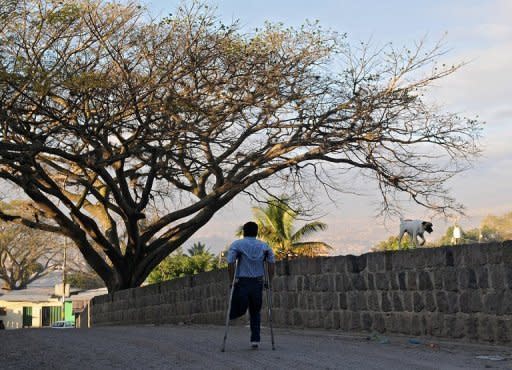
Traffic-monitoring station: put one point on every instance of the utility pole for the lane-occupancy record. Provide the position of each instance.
(64, 279)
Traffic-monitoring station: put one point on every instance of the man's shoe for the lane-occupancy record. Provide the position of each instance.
(255, 345)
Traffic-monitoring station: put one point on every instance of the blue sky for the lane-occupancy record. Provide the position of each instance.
(477, 32)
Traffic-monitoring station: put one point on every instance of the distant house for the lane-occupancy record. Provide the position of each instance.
(40, 304)
(36, 306)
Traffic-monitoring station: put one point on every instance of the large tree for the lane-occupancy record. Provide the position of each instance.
(109, 116)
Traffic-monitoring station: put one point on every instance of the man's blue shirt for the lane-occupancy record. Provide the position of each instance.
(252, 253)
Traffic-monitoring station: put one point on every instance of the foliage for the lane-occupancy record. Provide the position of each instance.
(179, 264)
(109, 119)
(276, 223)
(84, 280)
(391, 244)
(498, 226)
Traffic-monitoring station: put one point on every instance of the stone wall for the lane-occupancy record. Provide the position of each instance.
(461, 292)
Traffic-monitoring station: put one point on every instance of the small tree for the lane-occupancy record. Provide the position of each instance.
(178, 264)
(391, 244)
(108, 117)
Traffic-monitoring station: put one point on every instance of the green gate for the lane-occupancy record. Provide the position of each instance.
(27, 317)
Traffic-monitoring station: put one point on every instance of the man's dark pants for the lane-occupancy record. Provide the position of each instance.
(248, 294)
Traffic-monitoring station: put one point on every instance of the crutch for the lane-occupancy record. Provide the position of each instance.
(229, 306)
(269, 300)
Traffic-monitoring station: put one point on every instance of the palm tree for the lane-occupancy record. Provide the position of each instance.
(276, 227)
(198, 248)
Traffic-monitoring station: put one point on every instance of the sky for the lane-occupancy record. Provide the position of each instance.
(476, 32)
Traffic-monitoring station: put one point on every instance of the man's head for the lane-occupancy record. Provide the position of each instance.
(250, 229)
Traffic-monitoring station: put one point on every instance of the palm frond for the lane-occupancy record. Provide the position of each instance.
(308, 229)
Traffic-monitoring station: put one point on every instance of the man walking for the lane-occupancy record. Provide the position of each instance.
(252, 254)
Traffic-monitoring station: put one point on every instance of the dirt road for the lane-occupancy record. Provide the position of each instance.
(198, 347)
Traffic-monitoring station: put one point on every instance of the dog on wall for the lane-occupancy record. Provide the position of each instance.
(415, 229)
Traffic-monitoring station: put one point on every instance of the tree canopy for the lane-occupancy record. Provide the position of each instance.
(178, 264)
(109, 116)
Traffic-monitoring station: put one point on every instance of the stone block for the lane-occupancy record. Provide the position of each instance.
(327, 320)
(467, 278)
(402, 280)
(320, 283)
(328, 265)
(295, 267)
(381, 281)
(450, 279)
(359, 281)
(342, 283)
(386, 305)
(493, 302)
(407, 300)
(352, 301)
(493, 252)
(376, 262)
(393, 323)
(379, 322)
(418, 324)
(393, 280)
(430, 302)
(503, 331)
(425, 281)
(403, 260)
(397, 302)
(318, 301)
(411, 280)
(370, 277)
(299, 281)
(306, 283)
(405, 323)
(470, 301)
(366, 321)
(373, 301)
(436, 258)
(453, 302)
(506, 253)
(313, 266)
(486, 328)
(342, 301)
(327, 301)
(507, 270)
(437, 279)
(442, 301)
(449, 257)
(506, 307)
(418, 302)
(482, 276)
(298, 319)
(436, 324)
(340, 264)
(497, 276)
(355, 321)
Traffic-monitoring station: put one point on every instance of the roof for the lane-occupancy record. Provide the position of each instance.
(40, 290)
(87, 295)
